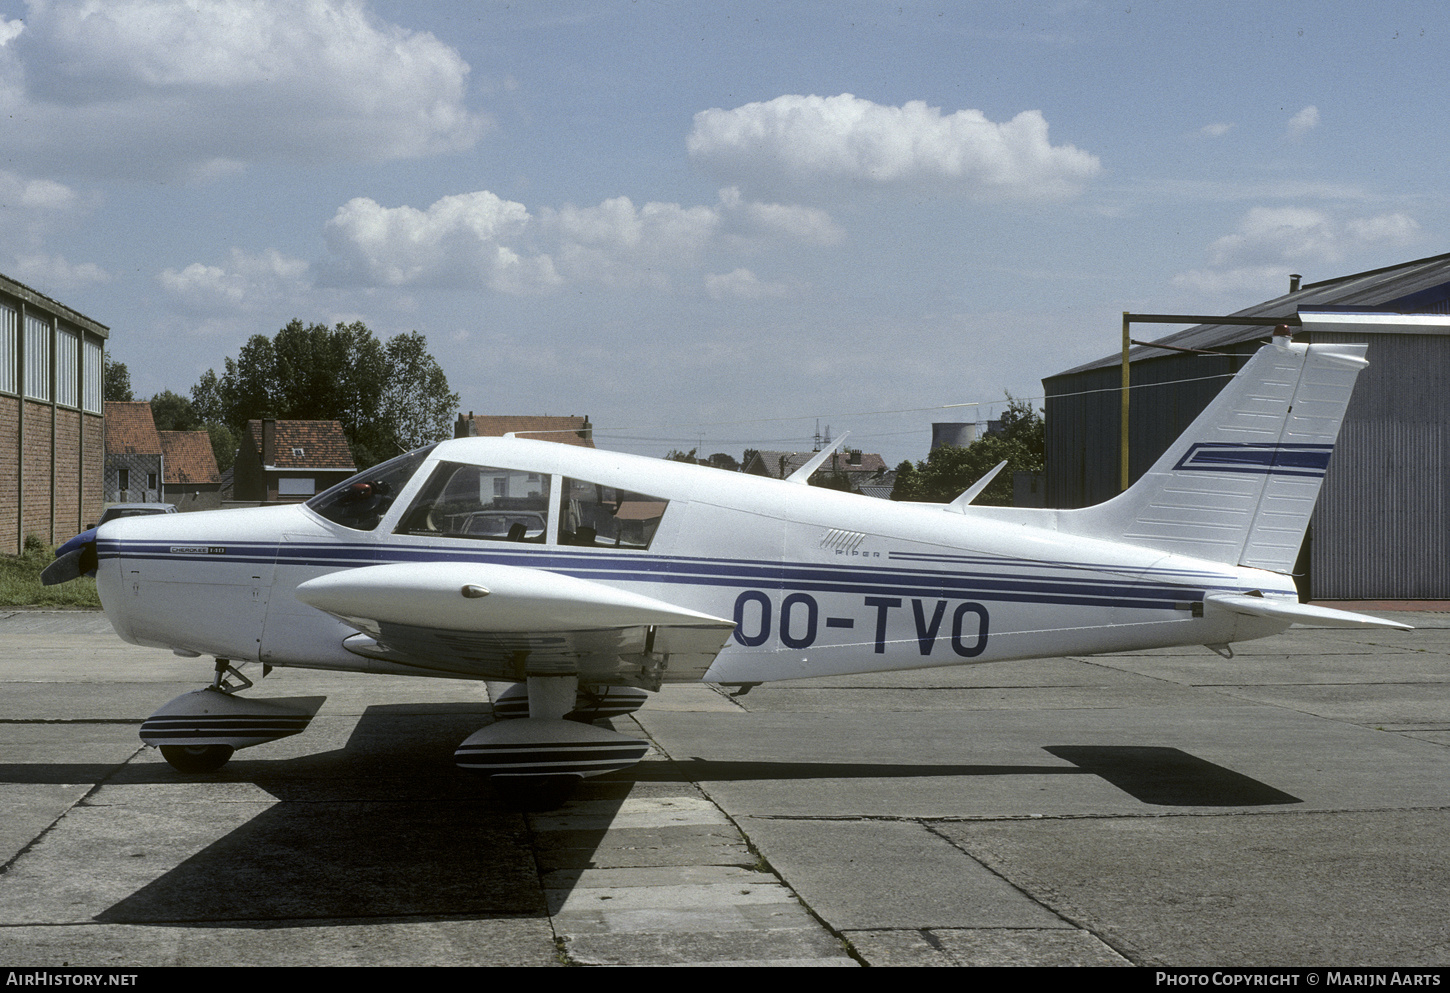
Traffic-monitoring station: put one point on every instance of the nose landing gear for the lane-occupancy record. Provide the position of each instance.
(198, 731)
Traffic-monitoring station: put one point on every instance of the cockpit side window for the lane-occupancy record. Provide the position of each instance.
(362, 501)
(480, 502)
(602, 516)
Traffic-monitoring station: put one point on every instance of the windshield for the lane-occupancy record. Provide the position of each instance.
(362, 501)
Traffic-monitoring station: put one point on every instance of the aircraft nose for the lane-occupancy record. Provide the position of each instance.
(74, 559)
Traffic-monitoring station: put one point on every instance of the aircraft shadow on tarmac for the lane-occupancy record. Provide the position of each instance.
(386, 827)
(1155, 775)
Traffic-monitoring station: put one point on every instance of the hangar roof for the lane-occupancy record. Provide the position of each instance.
(1421, 286)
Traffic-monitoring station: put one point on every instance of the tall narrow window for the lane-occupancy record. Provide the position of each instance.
(9, 350)
(37, 358)
(67, 368)
(94, 371)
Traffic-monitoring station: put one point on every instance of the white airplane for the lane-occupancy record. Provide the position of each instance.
(576, 581)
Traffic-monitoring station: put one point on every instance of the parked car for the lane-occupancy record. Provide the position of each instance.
(116, 510)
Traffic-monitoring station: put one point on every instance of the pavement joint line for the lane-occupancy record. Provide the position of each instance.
(927, 819)
(95, 787)
(1000, 873)
(77, 720)
(561, 950)
(721, 691)
(762, 863)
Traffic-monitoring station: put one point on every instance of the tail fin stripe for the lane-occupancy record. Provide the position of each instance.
(1243, 456)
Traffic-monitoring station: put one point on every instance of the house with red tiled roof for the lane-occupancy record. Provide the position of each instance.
(189, 477)
(289, 461)
(862, 471)
(133, 454)
(565, 430)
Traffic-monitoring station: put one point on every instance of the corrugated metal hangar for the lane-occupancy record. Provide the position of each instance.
(1379, 530)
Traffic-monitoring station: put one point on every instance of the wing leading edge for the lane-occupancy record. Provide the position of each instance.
(509, 622)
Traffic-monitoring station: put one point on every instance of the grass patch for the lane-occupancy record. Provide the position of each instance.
(20, 581)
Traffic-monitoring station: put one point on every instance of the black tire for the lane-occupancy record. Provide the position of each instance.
(531, 793)
(197, 758)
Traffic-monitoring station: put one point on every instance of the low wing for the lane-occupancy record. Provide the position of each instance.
(509, 622)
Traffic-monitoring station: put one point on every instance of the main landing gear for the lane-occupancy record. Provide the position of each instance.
(198, 731)
(554, 745)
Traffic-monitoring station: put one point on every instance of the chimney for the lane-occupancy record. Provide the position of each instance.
(1294, 278)
(269, 441)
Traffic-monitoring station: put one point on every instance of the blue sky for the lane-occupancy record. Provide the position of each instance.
(710, 224)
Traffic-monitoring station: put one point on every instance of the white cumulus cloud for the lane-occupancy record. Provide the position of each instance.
(744, 285)
(53, 273)
(467, 240)
(1271, 242)
(790, 221)
(848, 138)
(199, 87)
(481, 241)
(246, 281)
(35, 194)
(1302, 123)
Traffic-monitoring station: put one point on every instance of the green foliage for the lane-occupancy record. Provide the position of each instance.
(416, 395)
(950, 470)
(20, 584)
(223, 445)
(173, 412)
(675, 455)
(832, 479)
(116, 382)
(722, 460)
(389, 398)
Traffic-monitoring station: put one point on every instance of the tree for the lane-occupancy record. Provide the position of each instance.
(951, 469)
(173, 412)
(388, 399)
(116, 382)
(416, 396)
(675, 455)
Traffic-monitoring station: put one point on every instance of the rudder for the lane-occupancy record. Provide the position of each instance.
(1240, 484)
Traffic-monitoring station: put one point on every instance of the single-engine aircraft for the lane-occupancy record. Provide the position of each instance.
(575, 582)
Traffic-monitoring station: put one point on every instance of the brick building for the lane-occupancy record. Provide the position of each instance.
(133, 453)
(189, 476)
(289, 461)
(52, 435)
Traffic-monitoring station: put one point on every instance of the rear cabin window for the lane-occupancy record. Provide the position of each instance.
(481, 502)
(607, 517)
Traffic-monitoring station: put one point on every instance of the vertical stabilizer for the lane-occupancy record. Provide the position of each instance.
(1240, 484)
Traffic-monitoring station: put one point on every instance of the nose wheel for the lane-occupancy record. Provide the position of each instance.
(198, 731)
(197, 758)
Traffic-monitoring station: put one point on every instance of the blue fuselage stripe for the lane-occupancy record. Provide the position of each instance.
(1014, 581)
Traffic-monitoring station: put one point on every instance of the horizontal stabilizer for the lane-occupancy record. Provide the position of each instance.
(1298, 613)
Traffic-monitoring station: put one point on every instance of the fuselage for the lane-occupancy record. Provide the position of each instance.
(816, 582)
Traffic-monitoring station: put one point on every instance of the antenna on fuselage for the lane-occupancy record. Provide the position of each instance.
(803, 474)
